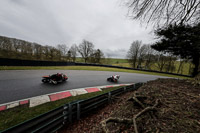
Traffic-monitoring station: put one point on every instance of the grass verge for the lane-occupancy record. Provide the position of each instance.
(92, 68)
(20, 114)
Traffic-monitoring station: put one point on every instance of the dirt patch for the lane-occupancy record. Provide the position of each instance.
(178, 110)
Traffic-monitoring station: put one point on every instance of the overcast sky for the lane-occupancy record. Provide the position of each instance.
(51, 22)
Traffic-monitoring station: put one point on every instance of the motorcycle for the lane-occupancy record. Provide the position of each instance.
(55, 78)
(113, 78)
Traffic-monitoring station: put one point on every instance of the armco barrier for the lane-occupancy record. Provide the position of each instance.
(18, 62)
(55, 119)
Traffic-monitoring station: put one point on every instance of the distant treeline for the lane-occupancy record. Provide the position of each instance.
(20, 49)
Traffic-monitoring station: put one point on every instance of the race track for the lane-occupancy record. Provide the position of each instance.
(22, 84)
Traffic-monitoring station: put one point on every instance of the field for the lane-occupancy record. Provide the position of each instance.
(154, 66)
(124, 63)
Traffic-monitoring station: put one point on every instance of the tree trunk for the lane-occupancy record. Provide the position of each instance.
(134, 62)
(180, 66)
(196, 65)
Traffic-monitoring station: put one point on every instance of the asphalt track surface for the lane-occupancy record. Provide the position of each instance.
(22, 84)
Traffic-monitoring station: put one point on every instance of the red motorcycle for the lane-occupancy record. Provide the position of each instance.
(55, 78)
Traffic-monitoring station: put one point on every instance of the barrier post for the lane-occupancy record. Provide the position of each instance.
(78, 111)
(124, 88)
(109, 97)
(133, 88)
(65, 107)
(70, 112)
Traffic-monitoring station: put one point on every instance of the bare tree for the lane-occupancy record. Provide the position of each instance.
(96, 56)
(46, 52)
(133, 52)
(69, 56)
(141, 55)
(149, 57)
(54, 54)
(167, 11)
(5, 44)
(63, 49)
(161, 61)
(85, 49)
(16, 45)
(5, 47)
(29, 48)
(74, 52)
(23, 47)
(37, 51)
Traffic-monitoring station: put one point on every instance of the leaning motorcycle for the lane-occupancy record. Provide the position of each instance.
(55, 78)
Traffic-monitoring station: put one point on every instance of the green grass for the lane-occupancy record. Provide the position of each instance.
(92, 68)
(124, 63)
(110, 60)
(20, 114)
(79, 59)
(116, 61)
(185, 70)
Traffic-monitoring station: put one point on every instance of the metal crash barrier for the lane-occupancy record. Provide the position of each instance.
(55, 119)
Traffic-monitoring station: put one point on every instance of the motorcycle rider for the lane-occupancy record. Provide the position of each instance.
(115, 77)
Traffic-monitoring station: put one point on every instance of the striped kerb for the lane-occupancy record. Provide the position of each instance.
(24, 102)
(61, 95)
(92, 90)
(3, 107)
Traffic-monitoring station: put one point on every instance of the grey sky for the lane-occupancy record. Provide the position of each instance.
(52, 22)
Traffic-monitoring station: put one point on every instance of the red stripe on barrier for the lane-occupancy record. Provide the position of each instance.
(61, 95)
(24, 102)
(108, 86)
(3, 107)
(92, 90)
(122, 85)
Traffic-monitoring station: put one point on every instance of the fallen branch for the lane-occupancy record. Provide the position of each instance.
(142, 112)
(116, 120)
(127, 121)
(137, 101)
